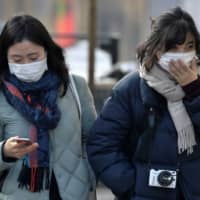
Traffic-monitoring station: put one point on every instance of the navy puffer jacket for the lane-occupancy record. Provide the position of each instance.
(122, 123)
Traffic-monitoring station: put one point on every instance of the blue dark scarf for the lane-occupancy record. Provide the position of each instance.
(36, 101)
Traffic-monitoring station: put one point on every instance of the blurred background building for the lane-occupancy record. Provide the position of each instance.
(128, 20)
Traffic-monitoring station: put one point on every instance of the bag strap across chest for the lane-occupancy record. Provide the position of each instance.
(76, 96)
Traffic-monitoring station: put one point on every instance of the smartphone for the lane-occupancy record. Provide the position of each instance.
(25, 141)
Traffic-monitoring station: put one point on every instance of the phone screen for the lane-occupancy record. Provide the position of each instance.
(26, 141)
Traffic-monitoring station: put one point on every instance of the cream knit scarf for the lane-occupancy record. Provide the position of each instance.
(163, 83)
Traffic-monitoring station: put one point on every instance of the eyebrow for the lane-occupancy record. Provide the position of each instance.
(19, 56)
(15, 56)
(33, 54)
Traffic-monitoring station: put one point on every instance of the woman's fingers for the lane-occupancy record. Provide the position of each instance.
(182, 73)
(28, 148)
(22, 150)
(9, 149)
(194, 66)
(12, 148)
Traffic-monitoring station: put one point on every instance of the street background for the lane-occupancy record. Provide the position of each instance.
(119, 27)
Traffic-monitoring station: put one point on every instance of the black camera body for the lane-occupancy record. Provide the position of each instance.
(163, 178)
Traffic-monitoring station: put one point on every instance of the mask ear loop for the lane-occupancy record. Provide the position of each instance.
(197, 59)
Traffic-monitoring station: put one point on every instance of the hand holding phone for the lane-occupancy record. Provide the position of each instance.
(17, 147)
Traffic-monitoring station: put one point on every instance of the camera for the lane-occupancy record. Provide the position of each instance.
(162, 178)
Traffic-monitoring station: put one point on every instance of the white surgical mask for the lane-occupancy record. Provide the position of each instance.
(30, 72)
(186, 57)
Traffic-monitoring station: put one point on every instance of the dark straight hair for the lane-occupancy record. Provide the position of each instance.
(167, 31)
(26, 27)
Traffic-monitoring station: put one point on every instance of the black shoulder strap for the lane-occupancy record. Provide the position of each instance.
(143, 152)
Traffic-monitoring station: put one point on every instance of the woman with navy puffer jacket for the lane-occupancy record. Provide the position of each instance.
(145, 143)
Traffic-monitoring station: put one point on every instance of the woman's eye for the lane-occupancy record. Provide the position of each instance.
(34, 59)
(18, 61)
(191, 46)
(173, 49)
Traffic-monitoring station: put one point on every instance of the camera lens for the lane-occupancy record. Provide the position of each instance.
(165, 178)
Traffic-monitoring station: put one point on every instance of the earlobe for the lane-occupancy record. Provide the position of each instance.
(158, 54)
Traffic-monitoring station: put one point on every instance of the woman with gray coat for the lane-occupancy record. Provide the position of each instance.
(43, 118)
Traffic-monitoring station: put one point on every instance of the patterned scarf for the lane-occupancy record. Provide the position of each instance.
(37, 103)
(164, 84)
